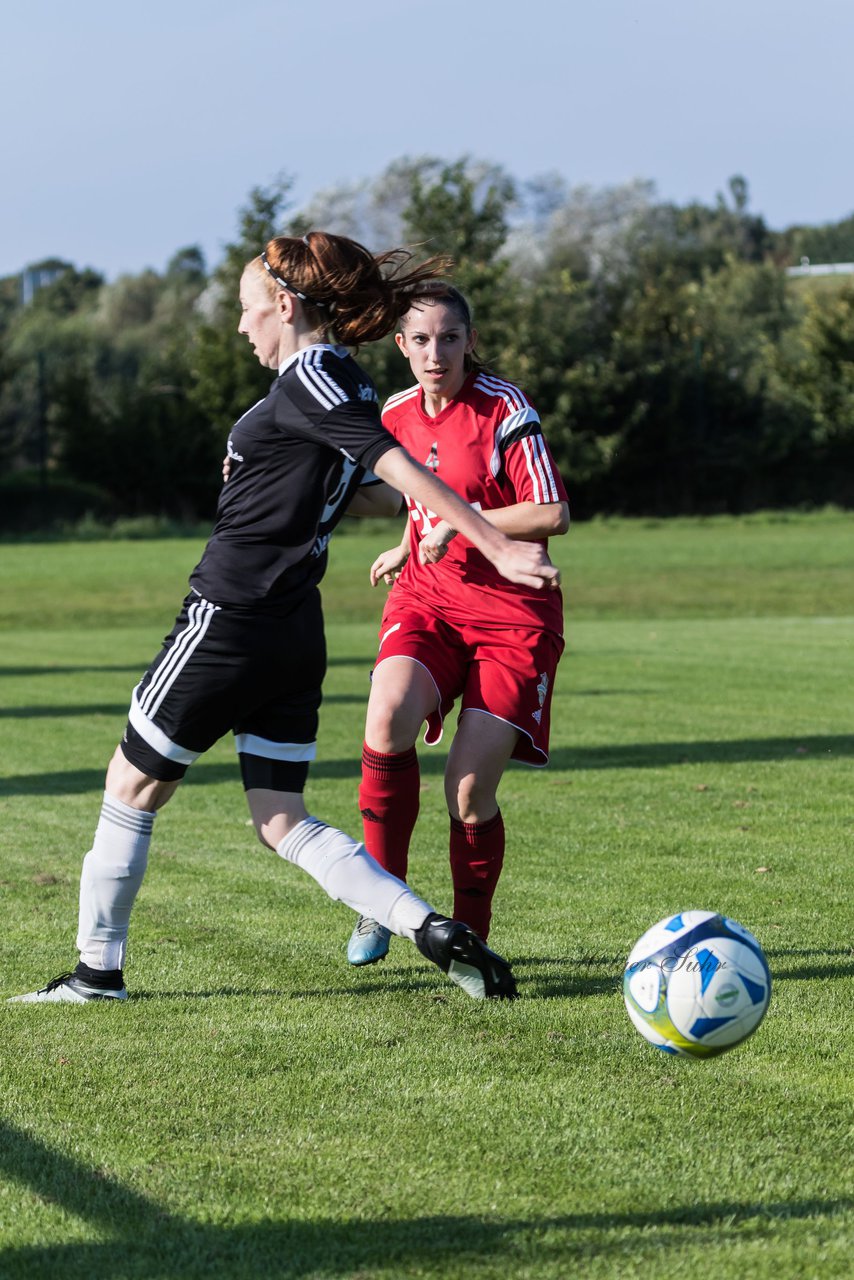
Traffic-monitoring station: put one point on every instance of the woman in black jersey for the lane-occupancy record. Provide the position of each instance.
(247, 651)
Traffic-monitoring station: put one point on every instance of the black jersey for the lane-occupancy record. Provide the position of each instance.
(297, 457)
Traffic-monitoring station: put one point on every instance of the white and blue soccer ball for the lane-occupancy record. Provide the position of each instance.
(696, 984)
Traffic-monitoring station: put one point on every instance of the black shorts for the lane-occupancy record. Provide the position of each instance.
(221, 670)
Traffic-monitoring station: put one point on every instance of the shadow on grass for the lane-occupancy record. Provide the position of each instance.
(391, 981)
(51, 712)
(613, 693)
(657, 755)
(810, 972)
(137, 668)
(400, 981)
(120, 710)
(629, 756)
(539, 977)
(838, 962)
(73, 669)
(562, 977)
(146, 1239)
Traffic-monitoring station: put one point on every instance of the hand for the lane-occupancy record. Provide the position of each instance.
(435, 544)
(226, 469)
(388, 565)
(528, 565)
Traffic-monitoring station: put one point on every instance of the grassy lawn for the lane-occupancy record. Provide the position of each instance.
(259, 1108)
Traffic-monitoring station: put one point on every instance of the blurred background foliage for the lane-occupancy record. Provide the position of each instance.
(678, 366)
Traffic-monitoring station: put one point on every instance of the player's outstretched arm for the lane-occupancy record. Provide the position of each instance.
(525, 563)
(522, 521)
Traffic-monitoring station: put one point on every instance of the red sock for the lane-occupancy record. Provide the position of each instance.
(477, 855)
(389, 796)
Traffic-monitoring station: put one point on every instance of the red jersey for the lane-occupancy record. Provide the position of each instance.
(488, 446)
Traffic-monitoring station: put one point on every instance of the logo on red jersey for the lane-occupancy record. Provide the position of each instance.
(542, 690)
(433, 460)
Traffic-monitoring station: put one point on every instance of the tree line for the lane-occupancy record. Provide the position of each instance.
(676, 365)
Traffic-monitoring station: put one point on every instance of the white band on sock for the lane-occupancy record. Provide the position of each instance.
(112, 873)
(349, 874)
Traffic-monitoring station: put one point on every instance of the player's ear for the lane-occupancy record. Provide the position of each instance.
(472, 342)
(285, 306)
(401, 343)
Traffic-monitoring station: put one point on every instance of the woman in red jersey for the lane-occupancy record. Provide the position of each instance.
(452, 628)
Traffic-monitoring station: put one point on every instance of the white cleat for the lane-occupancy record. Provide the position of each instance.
(68, 989)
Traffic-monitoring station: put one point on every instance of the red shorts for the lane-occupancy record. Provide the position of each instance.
(507, 672)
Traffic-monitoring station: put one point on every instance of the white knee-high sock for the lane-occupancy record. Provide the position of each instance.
(349, 874)
(112, 873)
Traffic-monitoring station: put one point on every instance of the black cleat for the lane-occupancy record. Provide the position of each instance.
(467, 961)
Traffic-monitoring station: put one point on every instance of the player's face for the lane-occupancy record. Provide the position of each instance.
(260, 319)
(435, 342)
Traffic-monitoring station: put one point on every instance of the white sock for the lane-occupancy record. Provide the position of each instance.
(349, 874)
(112, 873)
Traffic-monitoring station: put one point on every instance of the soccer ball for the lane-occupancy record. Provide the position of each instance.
(696, 984)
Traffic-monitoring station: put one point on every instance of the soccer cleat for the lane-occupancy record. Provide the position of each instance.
(467, 961)
(368, 942)
(68, 988)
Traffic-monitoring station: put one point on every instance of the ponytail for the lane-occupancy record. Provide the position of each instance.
(355, 295)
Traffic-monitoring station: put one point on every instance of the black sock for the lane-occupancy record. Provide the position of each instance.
(105, 979)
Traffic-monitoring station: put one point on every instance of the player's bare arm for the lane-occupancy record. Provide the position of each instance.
(525, 563)
(388, 564)
(530, 520)
(522, 521)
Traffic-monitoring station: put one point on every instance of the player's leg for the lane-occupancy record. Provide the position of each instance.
(340, 865)
(505, 714)
(172, 720)
(478, 757)
(110, 880)
(347, 872)
(275, 744)
(402, 695)
(419, 670)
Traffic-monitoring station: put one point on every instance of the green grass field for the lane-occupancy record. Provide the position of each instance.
(258, 1108)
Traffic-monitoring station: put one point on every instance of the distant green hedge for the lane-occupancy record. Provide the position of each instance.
(29, 504)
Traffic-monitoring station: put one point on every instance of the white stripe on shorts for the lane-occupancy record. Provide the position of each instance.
(156, 738)
(251, 745)
(199, 617)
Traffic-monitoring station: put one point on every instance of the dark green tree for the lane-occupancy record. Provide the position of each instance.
(814, 379)
(693, 238)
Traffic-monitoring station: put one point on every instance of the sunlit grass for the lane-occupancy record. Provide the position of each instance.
(259, 1108)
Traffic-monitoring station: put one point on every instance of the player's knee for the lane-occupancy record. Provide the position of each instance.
(389, 727)
(469, 797)
(129, 784)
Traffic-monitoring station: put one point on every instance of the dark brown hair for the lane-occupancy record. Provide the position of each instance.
(356, 295)
(435, 291)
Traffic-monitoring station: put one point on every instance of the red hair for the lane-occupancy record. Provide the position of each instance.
(357, 295)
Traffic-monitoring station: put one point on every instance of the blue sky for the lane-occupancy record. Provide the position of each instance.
(133, 130)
